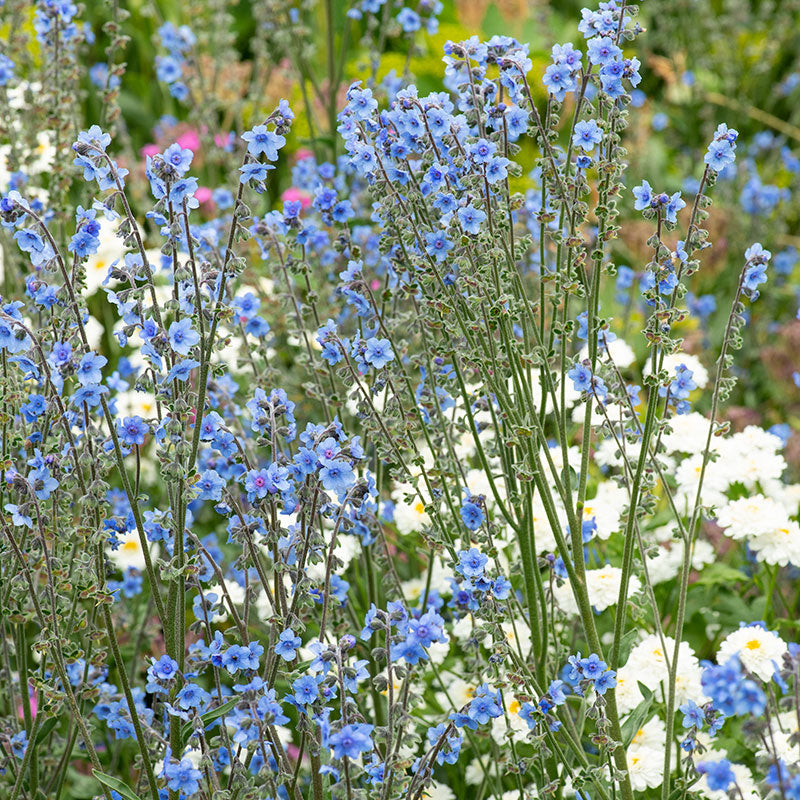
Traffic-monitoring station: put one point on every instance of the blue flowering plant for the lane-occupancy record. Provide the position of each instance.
(327, 495)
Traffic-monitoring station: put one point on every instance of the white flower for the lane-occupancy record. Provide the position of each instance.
(518, 636)
(620, 351)
(699, 372)
(347, 547)
(764, 523)
(129, 553)
(111, 249)
(603, 587)
(627, 690)
(647, 664)
(458, 692)
(645, 767)
(132, 403)
(689, 433)
(751, 457)
(782, 737)
(750, 516)
(515, 725)
(606, 507)
(687, 476)
(758, 651)
(651, 735)
(780, 546)
(437, 791)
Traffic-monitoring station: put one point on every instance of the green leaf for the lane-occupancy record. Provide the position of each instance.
(116, 784)
(209, 717)
(626, 645)
(717, 573)
(638, 716)
(46, 727)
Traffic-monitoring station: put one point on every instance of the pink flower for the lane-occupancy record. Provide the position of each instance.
(203, 194)
(375, 285)
(34, 704)
(302, 153)
(190, 140)
(149, 150)
(293, 193)
(223, 140)
(293, 751)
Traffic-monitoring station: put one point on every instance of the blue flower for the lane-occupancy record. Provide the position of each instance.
(182, 776)
(261, 140)
(484, 706)
(471, 219)
(178, 157)
(254, 171)
(361, 102)
(89, 395)
(305, 690)
(644, 196)
(192, 696)
(409, 20)
(210, 485)
(719, 774)
(672, 208)
(351, 741)
(336, 475)
(471, 563)
(132, 430)
(437, 245)
(43, 483)
(182, 337)
(269, 480)
(378, 352)
(693, 715)
(581, 376)
(722, 150)
(472, 515)
(287, 645)
(602, 50)
(587, 134)
(17, 517)
(607, 680)
(89, 368)
(558, 80)
(182, 370)
(19, 744)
